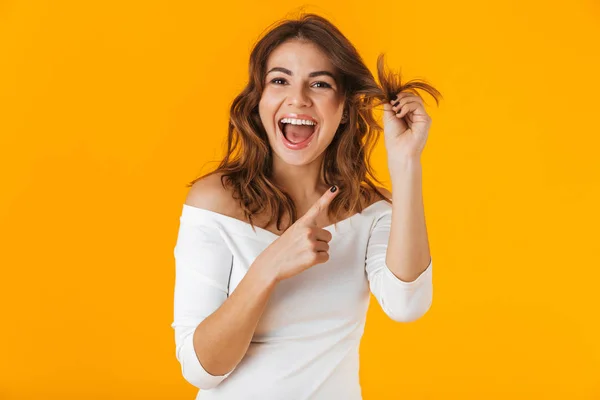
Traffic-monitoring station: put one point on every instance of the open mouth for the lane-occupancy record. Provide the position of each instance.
(297, 131)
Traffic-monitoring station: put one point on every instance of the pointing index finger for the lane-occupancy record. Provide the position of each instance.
(321, 206)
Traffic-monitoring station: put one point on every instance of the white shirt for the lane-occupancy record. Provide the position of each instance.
(306, 342)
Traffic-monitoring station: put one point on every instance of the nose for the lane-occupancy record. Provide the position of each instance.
(298, 98)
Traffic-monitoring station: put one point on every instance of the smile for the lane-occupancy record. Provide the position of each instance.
(297, 132)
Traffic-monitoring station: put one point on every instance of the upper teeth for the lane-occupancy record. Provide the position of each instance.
(295, 121)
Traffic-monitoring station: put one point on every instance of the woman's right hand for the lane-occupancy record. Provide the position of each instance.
(303, 244)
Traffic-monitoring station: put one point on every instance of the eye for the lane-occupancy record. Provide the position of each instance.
(327, 85)
(277, 80)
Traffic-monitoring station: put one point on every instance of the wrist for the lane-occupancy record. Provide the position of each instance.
(404, 165)
(264, 273)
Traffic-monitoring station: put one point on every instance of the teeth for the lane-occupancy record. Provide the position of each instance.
(296, 121)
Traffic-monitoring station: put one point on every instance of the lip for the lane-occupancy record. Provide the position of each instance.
(299, 116)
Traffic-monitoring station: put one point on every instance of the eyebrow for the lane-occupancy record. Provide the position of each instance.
(311, 75)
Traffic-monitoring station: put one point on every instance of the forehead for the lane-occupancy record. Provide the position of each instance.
(299, 55)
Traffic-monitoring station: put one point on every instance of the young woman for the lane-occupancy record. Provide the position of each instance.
(280, 247)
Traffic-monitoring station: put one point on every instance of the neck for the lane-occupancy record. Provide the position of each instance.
(303, 183)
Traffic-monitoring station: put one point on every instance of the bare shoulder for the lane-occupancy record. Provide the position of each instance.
(208, 193)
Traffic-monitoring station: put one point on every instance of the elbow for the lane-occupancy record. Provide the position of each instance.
(407, 301)
(193, 371)
(410, 313)
(201, 379)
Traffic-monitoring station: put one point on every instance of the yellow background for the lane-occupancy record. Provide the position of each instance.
(107, 110)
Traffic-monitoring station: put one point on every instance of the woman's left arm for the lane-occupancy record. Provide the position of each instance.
(406, 128)
(408, 254)
(398, 263)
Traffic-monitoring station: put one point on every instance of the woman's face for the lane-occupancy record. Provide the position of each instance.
(302, 100)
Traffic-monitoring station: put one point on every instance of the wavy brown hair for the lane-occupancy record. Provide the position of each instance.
(247, 165)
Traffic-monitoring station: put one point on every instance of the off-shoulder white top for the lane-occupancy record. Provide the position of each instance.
(307, 340)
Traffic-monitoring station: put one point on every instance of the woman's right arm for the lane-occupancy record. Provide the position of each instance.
(222, 339)
(212, 328)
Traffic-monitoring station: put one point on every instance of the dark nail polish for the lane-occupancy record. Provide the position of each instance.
(395, 97)
(396, 103)
(333, 189)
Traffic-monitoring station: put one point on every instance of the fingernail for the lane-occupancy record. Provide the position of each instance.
(394, 99)
(394, 104)
(333, 189)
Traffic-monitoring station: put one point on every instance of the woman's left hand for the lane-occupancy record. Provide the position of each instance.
(406, 127)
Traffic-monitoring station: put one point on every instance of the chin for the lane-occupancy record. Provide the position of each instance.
(294, 159)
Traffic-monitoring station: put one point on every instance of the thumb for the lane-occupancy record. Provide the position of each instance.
(391, 120)
(388, 113)
(321, 206)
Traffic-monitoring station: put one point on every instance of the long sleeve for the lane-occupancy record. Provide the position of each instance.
(401, 301)
(203, 266)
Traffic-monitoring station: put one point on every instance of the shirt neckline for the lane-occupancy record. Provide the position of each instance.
(342, 225)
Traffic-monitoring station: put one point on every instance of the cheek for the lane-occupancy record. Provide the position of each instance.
(267, 107)
(265, 115)
(332, 106)
(333, 110)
